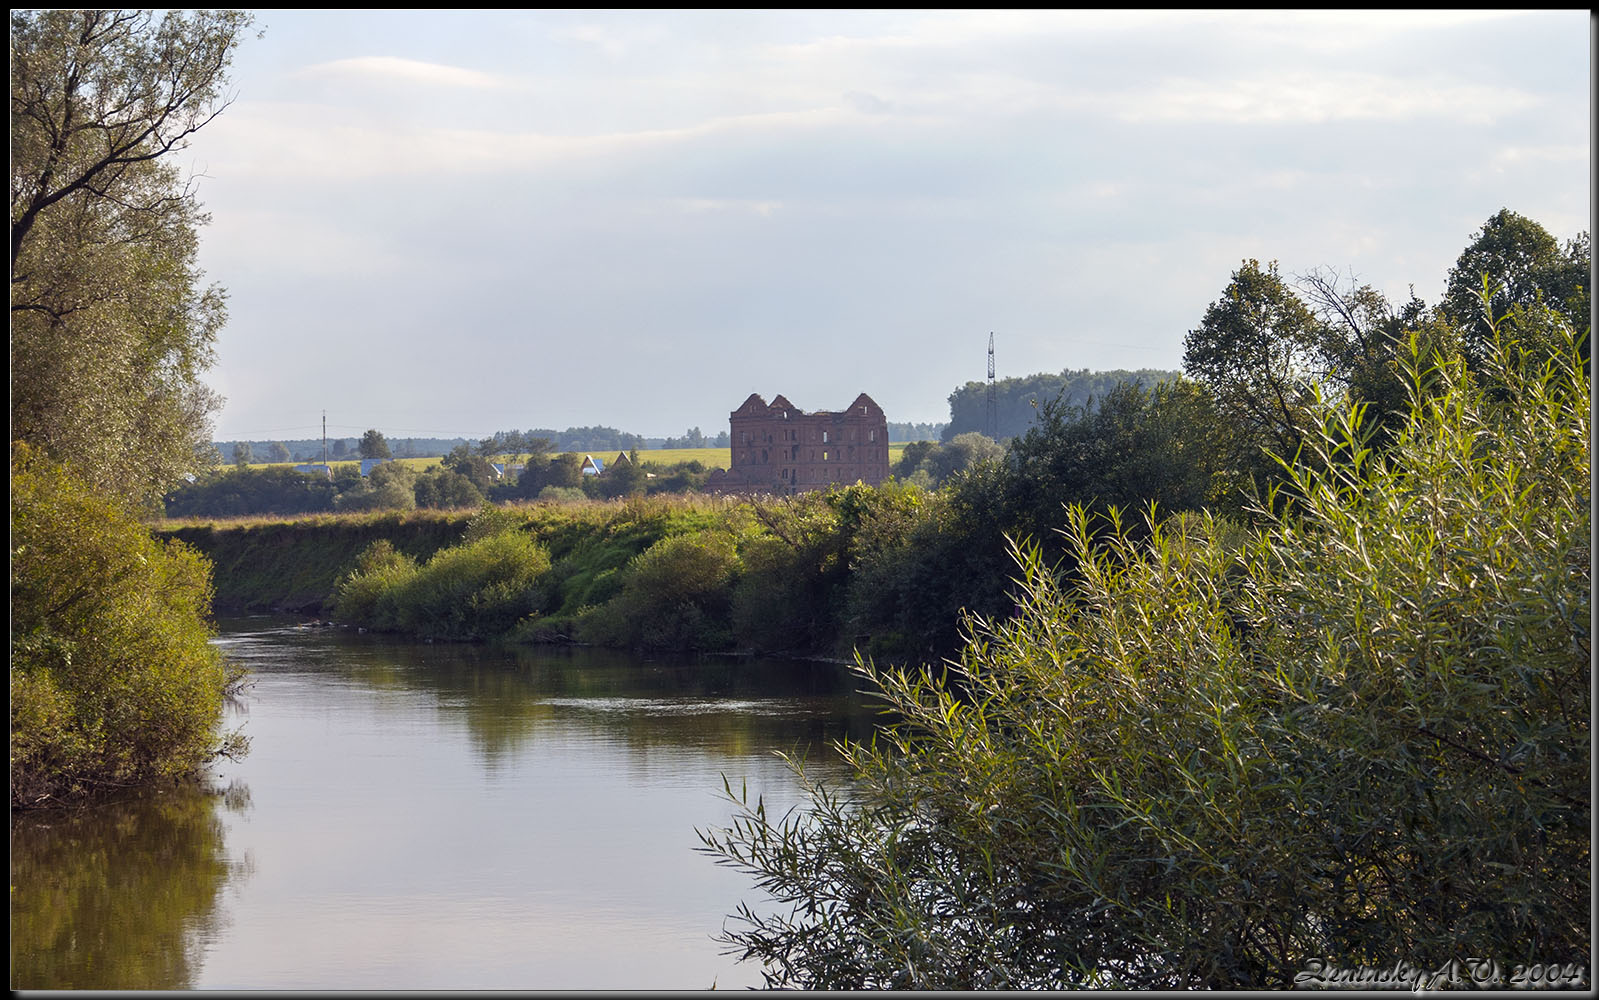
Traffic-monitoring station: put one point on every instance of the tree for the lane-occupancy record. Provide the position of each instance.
(445, 489)
(1256, 350)
(277, 451)
(373, 445)
(1358, 733)
(912, 457)
(390, 486)
(1523, 265)
(475, 468)
(110, 327)
(243, 454)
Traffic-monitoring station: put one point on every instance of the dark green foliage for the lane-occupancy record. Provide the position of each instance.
(791, 596)
(674, 596)
(1523, 265)
(623, 477)
(390, 486)
(373, 445)
(1257, 350)
(930, 465)
(1358, 732)
(564, 471)
(1165, 445)
(474, 467)
(295, 565)
(908, 591)
(680, 477)
(237, 492)
(1017, 399)
(446, 489)
(114, 681)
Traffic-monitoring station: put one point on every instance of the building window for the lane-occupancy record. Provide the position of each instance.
(824, 437)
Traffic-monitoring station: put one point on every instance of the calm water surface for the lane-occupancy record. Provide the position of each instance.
(419, 816)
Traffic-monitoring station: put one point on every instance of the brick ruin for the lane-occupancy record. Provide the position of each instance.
(779, 448)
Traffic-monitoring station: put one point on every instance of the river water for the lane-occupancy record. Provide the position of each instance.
(431, 816)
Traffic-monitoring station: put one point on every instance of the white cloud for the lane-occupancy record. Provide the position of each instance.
(391, 69)
(1510, 156)
(1316, 98)
(613, 41)
(735, 206)
(340, 144)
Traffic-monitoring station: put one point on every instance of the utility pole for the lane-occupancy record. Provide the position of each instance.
(324, 437)
(993, 406)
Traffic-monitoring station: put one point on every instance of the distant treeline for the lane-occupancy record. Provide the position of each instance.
(1016, 400)
(584, 439)
(344, 449)
(904, 431)
(339, 449)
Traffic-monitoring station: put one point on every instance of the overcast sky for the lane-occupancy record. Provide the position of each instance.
(443, 224)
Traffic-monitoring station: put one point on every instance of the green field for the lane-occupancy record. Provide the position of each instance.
(712, 458)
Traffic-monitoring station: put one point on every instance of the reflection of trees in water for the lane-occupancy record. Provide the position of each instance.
(121, 895)
(501, 695)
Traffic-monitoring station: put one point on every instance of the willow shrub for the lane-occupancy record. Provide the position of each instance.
(675, 595)
(114, 681)
(1357, 732)
(480, 589)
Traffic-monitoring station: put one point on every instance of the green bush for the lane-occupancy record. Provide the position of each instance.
(114, 681)
(675, 595)
(369, 593)
(1358, 732)
(480, 589)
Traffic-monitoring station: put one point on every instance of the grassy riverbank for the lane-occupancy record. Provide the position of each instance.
(278, 564)
(686, 573)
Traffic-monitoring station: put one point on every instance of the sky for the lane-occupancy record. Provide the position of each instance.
(443, 224)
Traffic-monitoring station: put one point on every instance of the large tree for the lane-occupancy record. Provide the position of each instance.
(1256, 349)
(1522, 264)
(374, 445)
(111, 327)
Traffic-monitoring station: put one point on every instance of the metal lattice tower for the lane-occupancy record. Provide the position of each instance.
(993, 406)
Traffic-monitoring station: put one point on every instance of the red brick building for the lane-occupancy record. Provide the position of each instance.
(779, 448)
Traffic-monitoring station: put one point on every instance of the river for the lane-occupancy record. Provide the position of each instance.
(432, 816)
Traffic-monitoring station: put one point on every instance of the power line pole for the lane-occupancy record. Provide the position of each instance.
(993, 406)
(324, 437)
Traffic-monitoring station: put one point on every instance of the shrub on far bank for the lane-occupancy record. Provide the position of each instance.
(114, 681)
(480, 589)
(675, 595)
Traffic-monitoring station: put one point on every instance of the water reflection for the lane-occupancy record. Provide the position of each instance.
(122, 896)
(501, 695)
(432, 816)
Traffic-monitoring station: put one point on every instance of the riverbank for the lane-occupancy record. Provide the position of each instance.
(293, 564)
(797, 576)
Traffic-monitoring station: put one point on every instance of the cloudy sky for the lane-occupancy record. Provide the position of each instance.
(442, 224)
